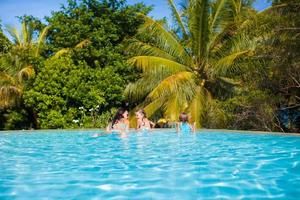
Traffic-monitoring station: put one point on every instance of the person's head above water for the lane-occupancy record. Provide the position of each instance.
(125, 114)
(140, 114)
(120, 114)
(183, 117)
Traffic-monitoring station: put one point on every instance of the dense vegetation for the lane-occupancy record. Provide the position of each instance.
(224, 63)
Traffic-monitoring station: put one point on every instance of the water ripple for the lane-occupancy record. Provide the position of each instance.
(156, 165)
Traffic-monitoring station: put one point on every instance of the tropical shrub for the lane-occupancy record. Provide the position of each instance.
(247, 110)
(62, 88)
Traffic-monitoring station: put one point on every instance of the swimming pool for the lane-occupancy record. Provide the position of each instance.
(156, 165)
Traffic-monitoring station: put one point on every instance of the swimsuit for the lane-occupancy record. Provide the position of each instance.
(120, 126)
(143, 126)
(184, 127)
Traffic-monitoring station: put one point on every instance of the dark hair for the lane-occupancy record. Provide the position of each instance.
(142, 112)
(183, 117)
(118, 116)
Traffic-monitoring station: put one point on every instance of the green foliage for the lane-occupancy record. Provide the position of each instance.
(62, 87)
(184, 70)
(248, 110)
(16, 66)
(16, 72)
(14, 119)
(82, 64)
(105, 24)
(279, 49)
(5, 44)
(223, 63)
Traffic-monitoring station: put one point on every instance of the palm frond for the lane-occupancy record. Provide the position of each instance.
(83, 44)
(153, 63)
(164, 39)
(153, 106)
(25, 34)
(178, 18)
(138, 90)
(196, 108)
(236, 6)
(260, 22)
(198, 26)
(226, 65)
(174, 105)
(218, 40)
(9, 95)
(14, 33)
(176, 83)
(236, 49)
(140, 48)
(217, 14)
(26, 73)
(60, 53)
(5, 79)
(229, 81)
(63, 51)
(41, 40)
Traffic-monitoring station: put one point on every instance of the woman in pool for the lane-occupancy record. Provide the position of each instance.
(142, 122)
(183, 124)
(120, 122)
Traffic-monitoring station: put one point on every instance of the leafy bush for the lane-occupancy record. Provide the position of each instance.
(14, 119)
(249, 110)
(62, 87)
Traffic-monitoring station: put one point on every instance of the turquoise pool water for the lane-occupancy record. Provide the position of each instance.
(156, 165)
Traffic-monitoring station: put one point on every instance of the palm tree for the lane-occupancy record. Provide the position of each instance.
(25, 39)
(184, 70)
(12, 80)
(15, 69)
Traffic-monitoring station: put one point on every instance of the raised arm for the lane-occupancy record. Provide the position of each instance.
(152, 124)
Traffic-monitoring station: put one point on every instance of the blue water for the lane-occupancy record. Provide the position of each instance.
(156, 165)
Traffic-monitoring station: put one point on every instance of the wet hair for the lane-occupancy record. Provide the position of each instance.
(183, 117)
(142, 112)
(118, 116)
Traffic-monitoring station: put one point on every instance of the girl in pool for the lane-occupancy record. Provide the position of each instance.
(142, 122)
(120, 122)
(183, 124)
